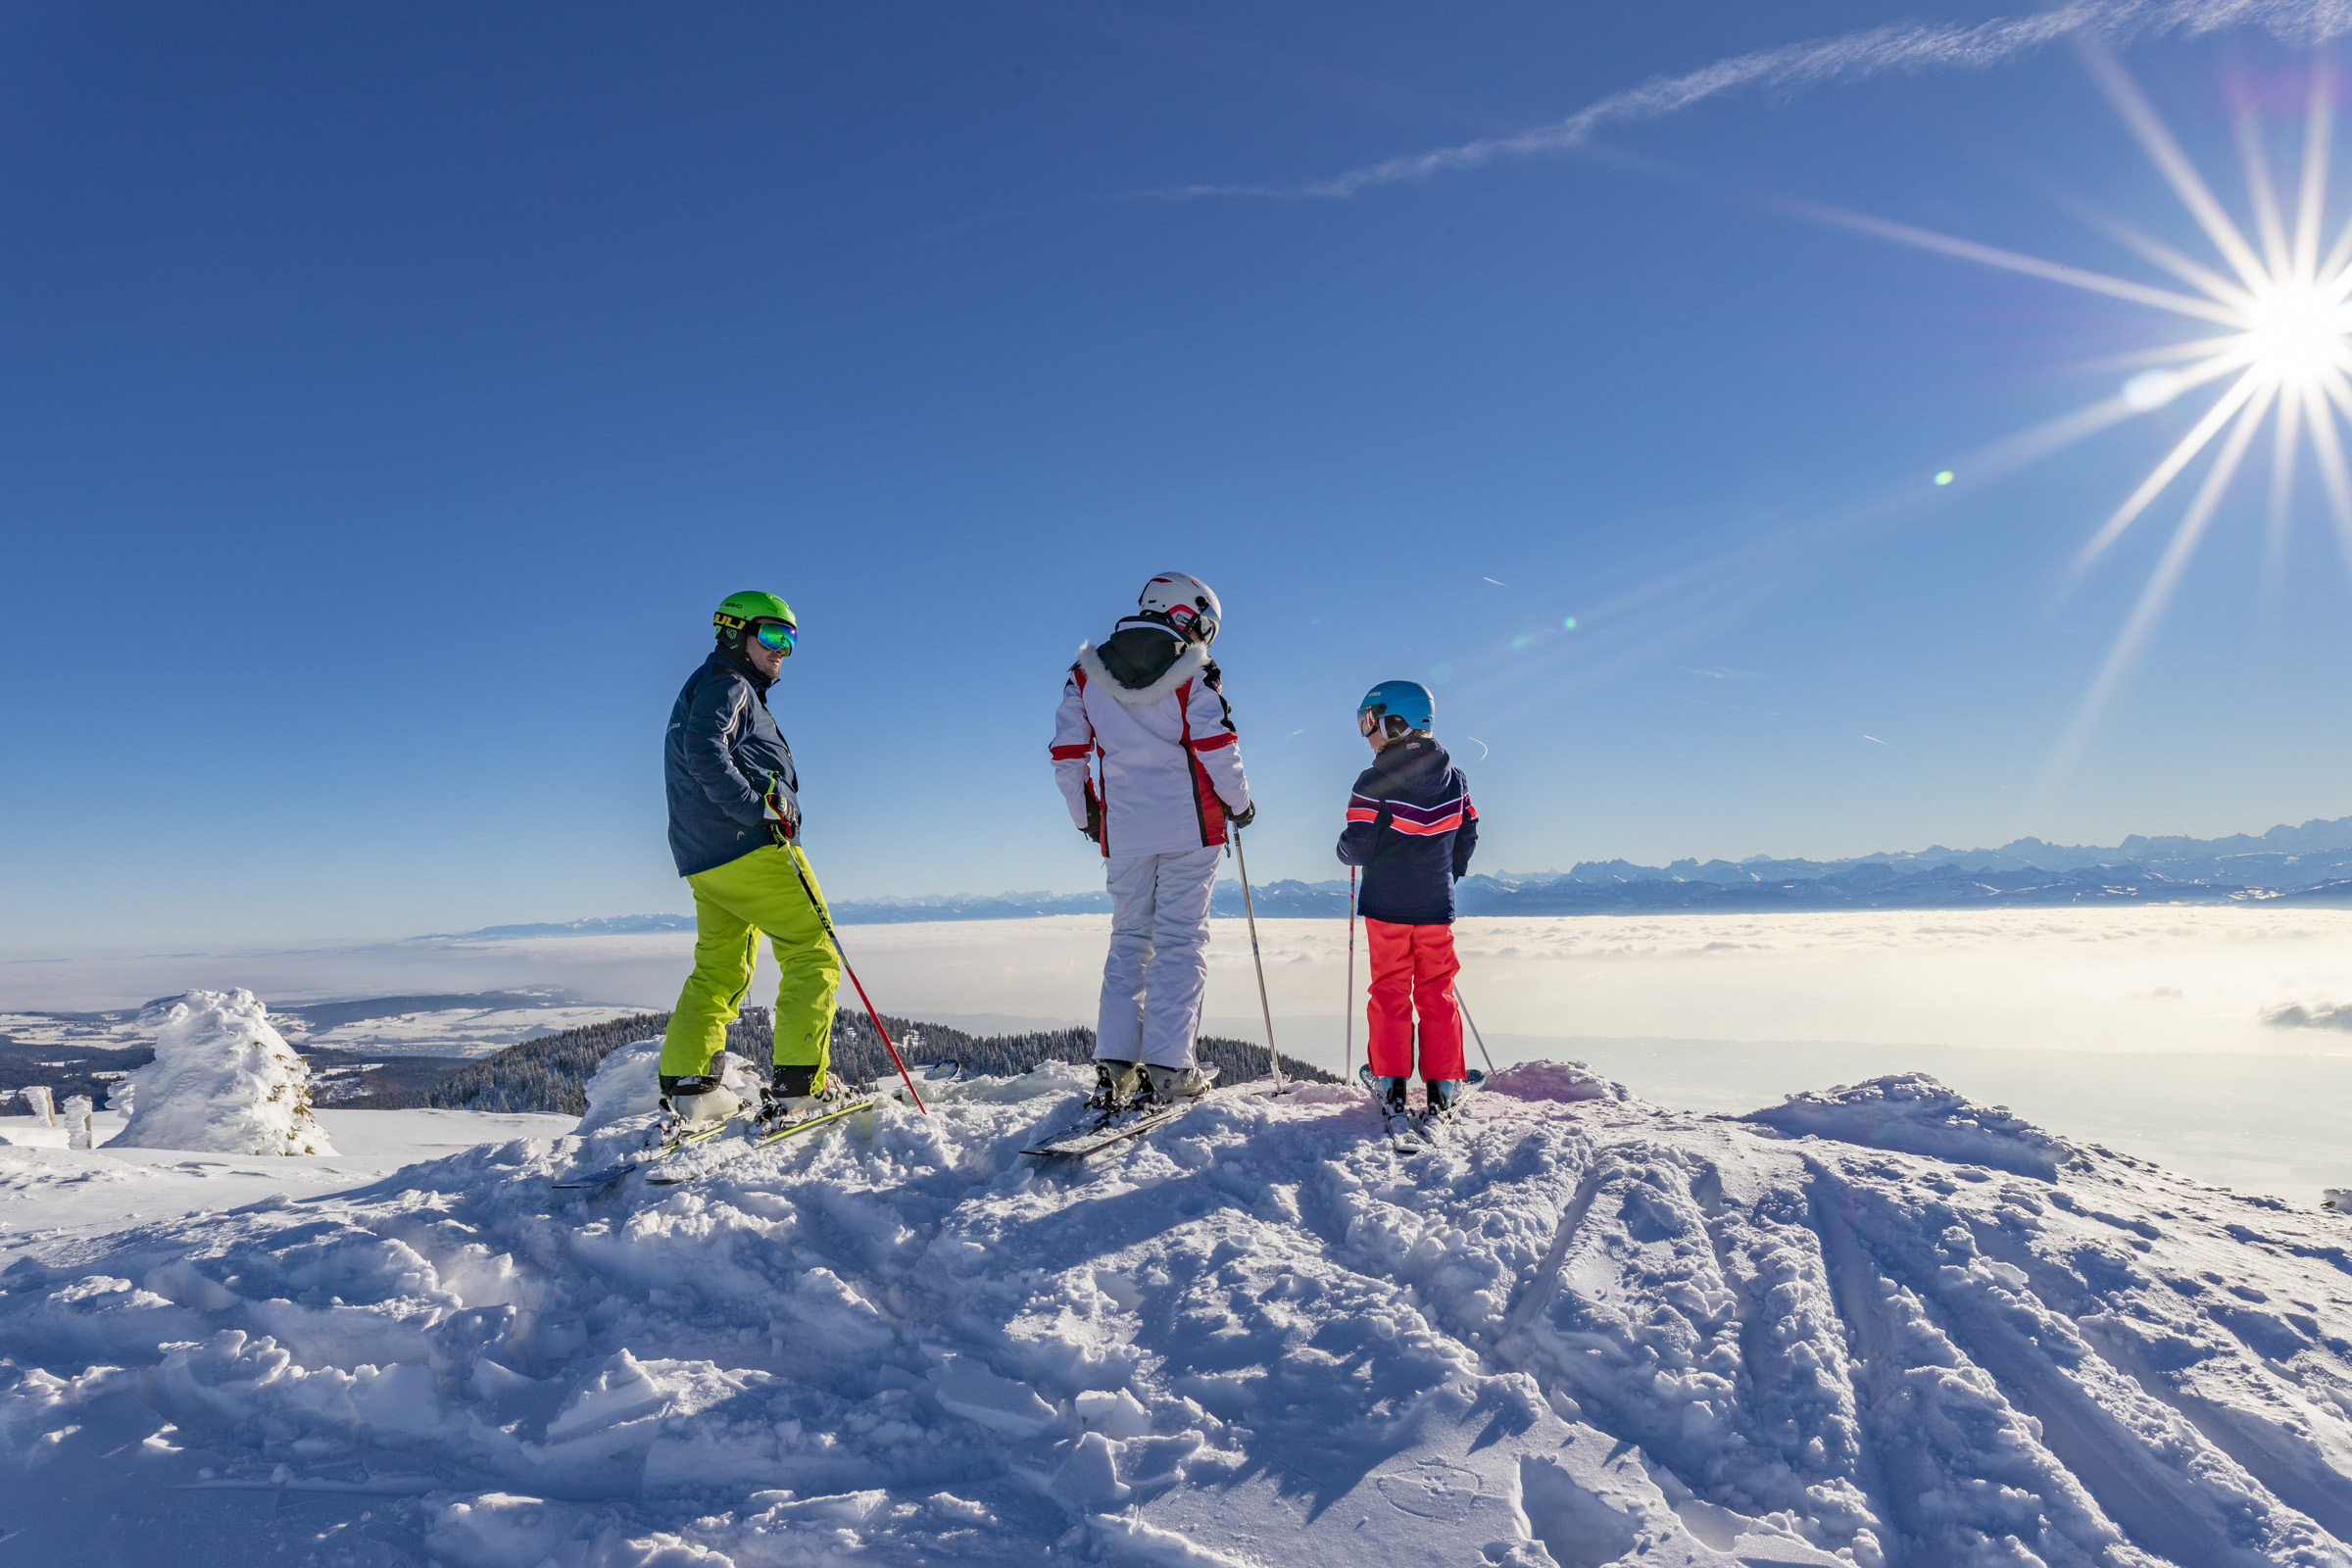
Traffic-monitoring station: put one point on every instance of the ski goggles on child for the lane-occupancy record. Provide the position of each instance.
(777, 634)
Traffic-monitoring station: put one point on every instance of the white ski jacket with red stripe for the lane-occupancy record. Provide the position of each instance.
(1169, 764)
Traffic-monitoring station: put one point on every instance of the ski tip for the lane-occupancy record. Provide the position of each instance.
(603, 1178)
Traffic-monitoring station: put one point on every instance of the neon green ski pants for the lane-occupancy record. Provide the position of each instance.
(732, 904)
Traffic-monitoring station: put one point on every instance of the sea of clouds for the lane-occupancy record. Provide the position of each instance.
(2211, 1038)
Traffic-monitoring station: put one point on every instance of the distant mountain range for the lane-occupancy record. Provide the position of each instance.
(608, 925)
(2307, 864)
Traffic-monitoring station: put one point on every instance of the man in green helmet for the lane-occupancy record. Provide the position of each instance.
(734, 830)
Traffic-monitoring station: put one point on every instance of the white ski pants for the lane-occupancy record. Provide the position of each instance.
(1157, 968)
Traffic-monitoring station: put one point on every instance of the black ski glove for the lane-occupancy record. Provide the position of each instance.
(781, 809)
(1243, 818)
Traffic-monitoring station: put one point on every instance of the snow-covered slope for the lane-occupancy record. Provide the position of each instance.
(1590, 1332)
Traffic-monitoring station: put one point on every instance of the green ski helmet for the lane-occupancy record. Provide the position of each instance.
(741, 614)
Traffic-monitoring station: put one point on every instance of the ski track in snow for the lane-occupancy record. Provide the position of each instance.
(1583, 1331)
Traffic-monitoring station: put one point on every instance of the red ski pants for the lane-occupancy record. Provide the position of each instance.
(1413, 968)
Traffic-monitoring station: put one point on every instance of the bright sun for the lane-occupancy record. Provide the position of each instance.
(2295, 332)
(2283, 354)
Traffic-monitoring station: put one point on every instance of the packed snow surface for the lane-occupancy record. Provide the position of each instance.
(223, 1082)
(1586, 1331)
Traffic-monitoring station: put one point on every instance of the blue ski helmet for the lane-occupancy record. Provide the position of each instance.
(1407, 700)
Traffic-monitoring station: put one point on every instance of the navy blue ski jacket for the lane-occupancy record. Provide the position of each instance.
(722, 752)
(1412, 827)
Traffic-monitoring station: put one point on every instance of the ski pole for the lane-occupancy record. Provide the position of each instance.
(1348, 1063)
(1242, 861)
(1473, 1034)
(826, 920)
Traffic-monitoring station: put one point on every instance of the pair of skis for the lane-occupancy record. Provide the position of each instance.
(1106, 1128)
(1410, 1134)
(735, 1137)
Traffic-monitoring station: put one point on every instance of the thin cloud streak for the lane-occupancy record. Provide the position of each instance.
(1848, 57)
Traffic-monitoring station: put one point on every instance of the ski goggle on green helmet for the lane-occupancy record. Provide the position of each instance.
(763, 617)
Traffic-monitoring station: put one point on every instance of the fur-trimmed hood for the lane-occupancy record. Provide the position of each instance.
(1189, 663)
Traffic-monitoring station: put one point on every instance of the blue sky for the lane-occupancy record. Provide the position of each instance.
(393, 390)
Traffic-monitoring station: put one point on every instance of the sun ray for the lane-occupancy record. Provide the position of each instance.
(2276, 261)
(2031, 265)
(2166, 576)
(2165, 353)
(2175, 166)
(2319, 126)
(2225, 347)
(2188, 270)
(2327, 444)
(2165, 472)
(2283, 439)
(2004, 457)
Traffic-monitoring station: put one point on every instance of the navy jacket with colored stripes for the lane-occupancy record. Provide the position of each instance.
(1412, 827)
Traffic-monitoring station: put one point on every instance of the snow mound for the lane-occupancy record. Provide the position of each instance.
(627, 1084)
(1580, 1333)
(624, 1085)
(223, 1082)
(1913, 1113)
(1568, 1081)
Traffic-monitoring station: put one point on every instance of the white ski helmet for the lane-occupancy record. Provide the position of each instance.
(1185, 603)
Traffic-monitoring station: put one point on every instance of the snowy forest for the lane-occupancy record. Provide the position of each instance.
(551, 1073)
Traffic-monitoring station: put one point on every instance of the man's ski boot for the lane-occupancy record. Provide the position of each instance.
(792, 1094)
(1172, 1084)
(1117, 1086)
(1444, 1095)
(693, 1101)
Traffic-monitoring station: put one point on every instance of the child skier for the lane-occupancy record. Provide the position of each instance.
(1412, 827)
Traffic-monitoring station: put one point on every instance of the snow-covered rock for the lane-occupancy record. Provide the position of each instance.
(1585, 1331)
(223, 1082)
(1913, 1112)
(1555, 1080)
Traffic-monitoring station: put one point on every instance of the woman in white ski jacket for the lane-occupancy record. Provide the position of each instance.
(1145, 755)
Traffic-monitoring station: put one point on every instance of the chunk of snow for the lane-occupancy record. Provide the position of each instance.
(1088, 1481)
(1911, 1113)
(1118, 1414)
(971, 1390)
(626, 1083)
(223, 1082)
(495, 1529)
